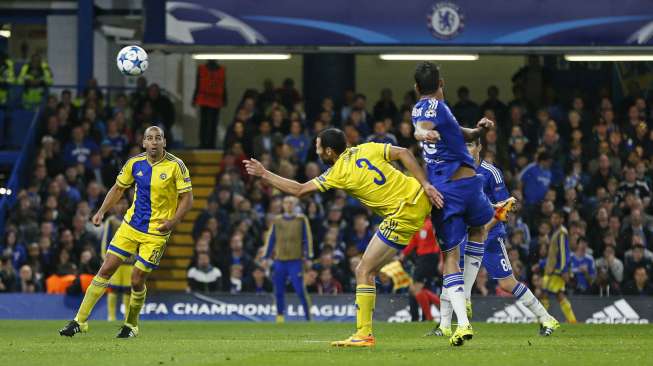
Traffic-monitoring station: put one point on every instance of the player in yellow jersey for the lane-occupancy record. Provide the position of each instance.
(120, 282)
(366, 173)
(163, 196)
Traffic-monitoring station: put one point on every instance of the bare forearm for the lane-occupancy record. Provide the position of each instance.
(185, 205)
(283, 184)
(411, 164)
(471, 134)
(113, 196)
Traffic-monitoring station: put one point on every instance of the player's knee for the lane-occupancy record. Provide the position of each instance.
(363, 270)
(507, 284)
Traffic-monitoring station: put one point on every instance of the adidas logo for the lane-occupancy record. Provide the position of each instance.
(140, 173)
(403, 315)
(618, 313)
(515, 313)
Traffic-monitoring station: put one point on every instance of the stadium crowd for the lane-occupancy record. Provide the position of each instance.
(587, 159)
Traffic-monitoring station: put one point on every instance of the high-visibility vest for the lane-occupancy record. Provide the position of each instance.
(6, 79)
(210, 91)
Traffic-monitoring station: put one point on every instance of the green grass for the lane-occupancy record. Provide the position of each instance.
(213, 343)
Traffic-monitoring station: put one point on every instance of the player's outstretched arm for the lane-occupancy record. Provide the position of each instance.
(255, 168)
(184, 205)
(411, 164)
(113, 196)
(472, 134)
(424, 132)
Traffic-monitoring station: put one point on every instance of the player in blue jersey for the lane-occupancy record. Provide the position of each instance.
(495, 258)
(452, 171)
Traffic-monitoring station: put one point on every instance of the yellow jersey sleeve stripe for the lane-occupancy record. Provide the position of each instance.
(175, 159)
(319, 185)
(185, 189)
(121, 184)
(386, 152)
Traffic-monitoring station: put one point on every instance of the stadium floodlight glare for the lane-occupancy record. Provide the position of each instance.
(242, 56)
(5, 33)
(605, 57)
(427, 57)
(3, 190)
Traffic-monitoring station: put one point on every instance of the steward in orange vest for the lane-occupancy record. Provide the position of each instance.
(210, 95)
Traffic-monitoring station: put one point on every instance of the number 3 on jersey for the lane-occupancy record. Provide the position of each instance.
(364, 163)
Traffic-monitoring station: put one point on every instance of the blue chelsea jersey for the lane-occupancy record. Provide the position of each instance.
(495, 189)
(447, 155)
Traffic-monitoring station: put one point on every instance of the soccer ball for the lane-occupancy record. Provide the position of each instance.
(132, 61)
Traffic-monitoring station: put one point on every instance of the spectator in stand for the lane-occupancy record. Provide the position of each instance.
(327, 284)
(536, 180)
(162, 110)
(385, 107)
(381, 134)
(613, 266)
(288, 95)
(79, 150)
(203, 277)
(636, 257)
(493, 103)
(258, 282)
(7, 274)
(582, 267)
(466, 111)
(640, 285)
(634, 186)
(298, 140)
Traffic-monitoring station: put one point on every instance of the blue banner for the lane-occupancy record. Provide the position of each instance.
(339, 308)
(418, 22)
(182, 306)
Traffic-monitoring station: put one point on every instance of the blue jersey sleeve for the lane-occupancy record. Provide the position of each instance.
(425, 111)
(495, 187)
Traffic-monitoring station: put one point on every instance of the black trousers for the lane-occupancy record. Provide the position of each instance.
(209, 118)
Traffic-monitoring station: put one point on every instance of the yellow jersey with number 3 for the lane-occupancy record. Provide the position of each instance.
(365, 172)
(158, 186)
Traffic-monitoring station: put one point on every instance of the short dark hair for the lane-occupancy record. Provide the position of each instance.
(427, 78)
(333, 138)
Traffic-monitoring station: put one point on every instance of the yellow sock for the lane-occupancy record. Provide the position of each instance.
(565, 306)
(365, 298)
(112, 301)
(125, 302)
(135, 305)
(93, 293)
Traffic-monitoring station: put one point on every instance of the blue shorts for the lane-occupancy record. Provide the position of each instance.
(495, 258)
(465, 205)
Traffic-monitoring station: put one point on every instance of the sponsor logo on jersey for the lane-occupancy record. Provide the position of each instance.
(618, 313)
(445, 20)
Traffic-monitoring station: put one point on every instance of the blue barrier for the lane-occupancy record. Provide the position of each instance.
(19, 172)
(332, 308)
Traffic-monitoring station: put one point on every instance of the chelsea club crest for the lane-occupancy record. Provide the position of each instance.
(446, 20)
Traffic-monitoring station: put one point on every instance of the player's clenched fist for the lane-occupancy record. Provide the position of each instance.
(97, 219)
(254, 167)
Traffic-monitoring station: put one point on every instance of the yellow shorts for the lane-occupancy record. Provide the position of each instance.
(122, 278)
(553, 283)
(147, 248)
(397, 229)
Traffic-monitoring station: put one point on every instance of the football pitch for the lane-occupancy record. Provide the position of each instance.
(216, 343)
